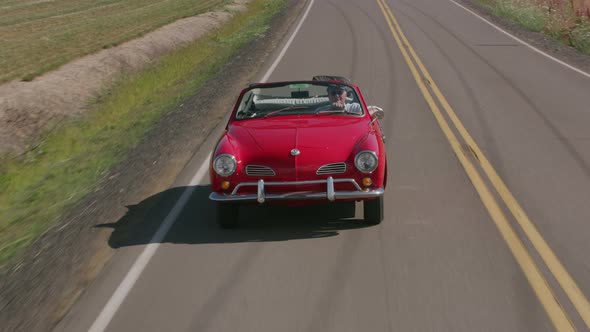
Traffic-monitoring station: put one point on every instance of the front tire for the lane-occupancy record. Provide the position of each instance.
(227, 214)
(373, 210)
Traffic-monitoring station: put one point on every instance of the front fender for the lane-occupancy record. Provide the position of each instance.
(373, 142)
(225, 145)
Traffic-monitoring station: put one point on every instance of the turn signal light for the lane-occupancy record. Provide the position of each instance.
(367, 182)
(225, 185)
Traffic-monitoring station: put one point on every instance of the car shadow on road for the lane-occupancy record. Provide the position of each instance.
(196, 223)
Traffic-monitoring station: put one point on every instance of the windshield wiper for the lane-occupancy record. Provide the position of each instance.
(333, 111)
(292, 107)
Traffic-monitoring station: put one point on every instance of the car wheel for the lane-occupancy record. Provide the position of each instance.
(227, 215)
(373, 210)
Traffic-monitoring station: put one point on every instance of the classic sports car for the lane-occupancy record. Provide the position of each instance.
(300, 142)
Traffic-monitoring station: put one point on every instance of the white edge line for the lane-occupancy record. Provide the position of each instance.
(141, 262)
(112, 306)
(579, 71)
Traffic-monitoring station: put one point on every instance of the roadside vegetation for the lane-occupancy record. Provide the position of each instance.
(38, 36)
(559, 19)
(38, 188)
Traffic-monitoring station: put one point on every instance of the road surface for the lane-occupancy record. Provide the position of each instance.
(486, 213)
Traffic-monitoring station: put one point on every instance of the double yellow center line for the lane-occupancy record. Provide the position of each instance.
(539, 284)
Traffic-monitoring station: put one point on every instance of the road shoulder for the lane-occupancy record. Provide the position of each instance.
(552, 47)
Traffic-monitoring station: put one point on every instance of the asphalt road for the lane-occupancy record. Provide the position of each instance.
(444, 258)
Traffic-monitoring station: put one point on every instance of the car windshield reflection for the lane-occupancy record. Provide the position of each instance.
(299, 99)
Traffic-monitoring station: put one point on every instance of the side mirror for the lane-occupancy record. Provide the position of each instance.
(376, 112)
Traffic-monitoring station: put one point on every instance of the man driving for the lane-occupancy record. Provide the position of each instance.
(337, 95)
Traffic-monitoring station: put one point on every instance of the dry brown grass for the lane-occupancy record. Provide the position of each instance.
(40, 35)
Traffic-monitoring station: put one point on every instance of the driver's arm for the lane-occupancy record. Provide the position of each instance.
(353, 108)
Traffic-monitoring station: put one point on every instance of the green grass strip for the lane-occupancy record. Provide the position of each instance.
(37, 190)
(580, 36)
(527, 15)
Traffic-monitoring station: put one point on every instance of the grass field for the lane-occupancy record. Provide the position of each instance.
(35, 191)
(37, 36)
(556, 19)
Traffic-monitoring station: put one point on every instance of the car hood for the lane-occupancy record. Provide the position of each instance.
(320, 140)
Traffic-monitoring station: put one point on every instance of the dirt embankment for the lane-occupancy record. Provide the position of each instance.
(581, 7)
(29, 109)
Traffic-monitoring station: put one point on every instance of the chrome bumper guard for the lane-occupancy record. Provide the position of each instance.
(330, 193)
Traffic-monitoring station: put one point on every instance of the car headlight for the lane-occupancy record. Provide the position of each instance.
(366, 161)
(224, 164)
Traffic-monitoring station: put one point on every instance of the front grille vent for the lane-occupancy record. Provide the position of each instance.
(335, 168)
(257, 170)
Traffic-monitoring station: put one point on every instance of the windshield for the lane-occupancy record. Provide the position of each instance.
(299, 98)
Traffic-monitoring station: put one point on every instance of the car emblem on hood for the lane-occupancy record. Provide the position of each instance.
(295, 152)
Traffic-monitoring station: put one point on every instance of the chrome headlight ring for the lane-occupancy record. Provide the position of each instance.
(225, 164)
(366, 161)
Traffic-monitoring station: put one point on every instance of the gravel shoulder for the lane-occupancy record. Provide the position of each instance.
(39, 290)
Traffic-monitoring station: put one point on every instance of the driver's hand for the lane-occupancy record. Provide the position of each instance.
(338, 105)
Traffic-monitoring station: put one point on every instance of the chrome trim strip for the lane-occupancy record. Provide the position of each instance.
(331, 196)
(260, 197)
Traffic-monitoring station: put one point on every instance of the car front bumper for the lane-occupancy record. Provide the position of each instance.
(330, 194)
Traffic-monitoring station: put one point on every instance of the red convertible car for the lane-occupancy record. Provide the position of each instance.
(300, 142)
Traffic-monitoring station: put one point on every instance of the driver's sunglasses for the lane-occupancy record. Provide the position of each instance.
(336, 93)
